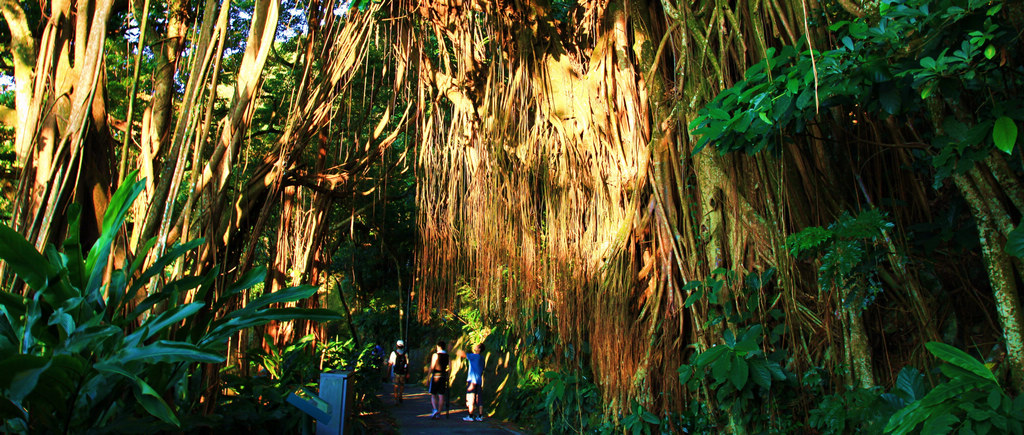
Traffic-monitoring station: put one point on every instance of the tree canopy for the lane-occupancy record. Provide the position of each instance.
(742, 215)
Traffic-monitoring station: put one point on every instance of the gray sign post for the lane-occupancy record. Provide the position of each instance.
(334, 389)
(330, 408)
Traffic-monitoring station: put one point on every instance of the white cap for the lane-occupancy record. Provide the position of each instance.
(400, 343)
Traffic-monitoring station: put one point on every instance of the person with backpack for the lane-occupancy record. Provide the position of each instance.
(399, 364)
(438, 379)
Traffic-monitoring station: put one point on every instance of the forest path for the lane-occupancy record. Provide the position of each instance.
(413, 415)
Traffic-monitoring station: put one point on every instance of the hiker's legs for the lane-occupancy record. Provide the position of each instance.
(471, 402)
(399, 379)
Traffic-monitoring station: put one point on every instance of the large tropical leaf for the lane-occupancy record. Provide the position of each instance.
(24, 260)
(960, 359)
(90, 337)
(145, 394)
(228, 326)
(143, 306)
(285, 295)
(73, 248)
(169, 351)
(158, 323)
(158, 266)
(19, 375)
(1015, 241)
(120, 203)
(905, 420)
(247, 281)
(60, 384)
(12, 306)
(740, 372)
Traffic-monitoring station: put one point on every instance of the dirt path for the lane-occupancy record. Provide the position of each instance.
(413, 415)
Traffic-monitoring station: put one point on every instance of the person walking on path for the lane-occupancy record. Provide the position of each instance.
(378, 361)
(438, 379)
(398, 362)
(474, 382)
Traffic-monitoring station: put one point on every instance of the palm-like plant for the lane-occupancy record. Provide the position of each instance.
(75, 355)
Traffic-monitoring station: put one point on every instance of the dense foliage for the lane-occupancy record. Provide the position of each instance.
(660, 216)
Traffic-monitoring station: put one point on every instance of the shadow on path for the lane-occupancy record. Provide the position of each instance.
(413, 415)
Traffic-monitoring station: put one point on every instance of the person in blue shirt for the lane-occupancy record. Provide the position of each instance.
(474, 382)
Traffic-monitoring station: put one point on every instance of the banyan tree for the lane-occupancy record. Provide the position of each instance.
(826, 185)
(210, 175)
(636, 175)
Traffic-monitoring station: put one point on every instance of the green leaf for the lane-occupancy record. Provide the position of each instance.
(693, 298)
(143, 306)
(73, 248)
(807, 239)
(120, 202)
(777, 373)
(163, 320)
(651, 418)
(62, 317)
(684, 373)
(960, 359)
(749, 341)
(59, 384)
(995, 398)
(911, 382)
(115, 291)
(940, 424)
(285, 295)
(19, 375)
(24, 260)
(722, 369)
(730, 338)
(927, 90)
(739, 373)
(225, 328)
(1004, 134)
(759, 373)
(1015, 242)
(247, 281)
(90, 337)
(158, 267)
(170, 351)
(705, 358)
(12, 305)
(906, 419)
(154, 404)
(889, 98)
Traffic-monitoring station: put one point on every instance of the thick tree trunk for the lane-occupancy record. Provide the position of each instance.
(1000, 271)
(23, 52)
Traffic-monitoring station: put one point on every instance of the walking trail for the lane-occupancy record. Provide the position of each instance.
(413, 415)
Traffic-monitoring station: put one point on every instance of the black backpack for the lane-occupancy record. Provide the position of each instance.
(401, 364)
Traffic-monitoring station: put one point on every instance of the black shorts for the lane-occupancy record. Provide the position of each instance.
(438, 384)
(474, 388)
